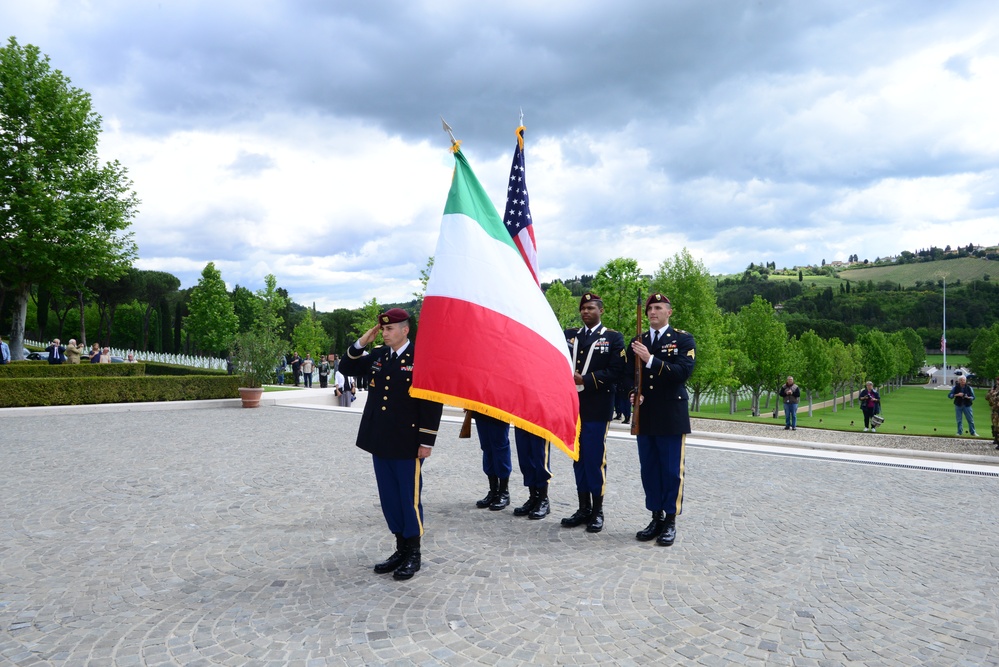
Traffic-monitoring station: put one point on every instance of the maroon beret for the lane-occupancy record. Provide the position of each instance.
(392, 316)
(589, 296)
(656, 297)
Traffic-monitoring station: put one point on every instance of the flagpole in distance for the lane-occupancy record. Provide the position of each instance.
(638, 367)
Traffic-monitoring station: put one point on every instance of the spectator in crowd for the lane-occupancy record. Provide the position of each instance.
(106, 355)
(308, 366)
(95, 353)
(57, 353)
(993, 398)
(296, 368)
(324, 371)
(791, 394)
(963, 396)
(4, 352)
(73, 352)
(130, 359)
(281, 368)
(870, 405)
(344, 391)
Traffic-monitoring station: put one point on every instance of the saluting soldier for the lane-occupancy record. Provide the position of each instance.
(667, 355)
(598, 360)
(398, 430)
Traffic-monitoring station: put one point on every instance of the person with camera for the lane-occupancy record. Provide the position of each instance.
(57, 353)
(963, 396)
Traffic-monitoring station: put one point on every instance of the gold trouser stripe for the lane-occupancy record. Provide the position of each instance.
(416, 494)
(683, 455)
(603, 464)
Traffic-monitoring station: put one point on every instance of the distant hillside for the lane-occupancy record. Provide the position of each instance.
(964, 269)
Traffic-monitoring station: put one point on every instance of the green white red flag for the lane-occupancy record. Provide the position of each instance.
(487, 340)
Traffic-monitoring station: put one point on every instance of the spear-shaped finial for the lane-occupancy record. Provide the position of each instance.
(455, 144)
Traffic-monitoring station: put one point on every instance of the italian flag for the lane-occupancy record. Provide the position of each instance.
(487, 340)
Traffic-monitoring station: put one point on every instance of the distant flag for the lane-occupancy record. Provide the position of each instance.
(486, 332)
(943, 343)
(517, 217)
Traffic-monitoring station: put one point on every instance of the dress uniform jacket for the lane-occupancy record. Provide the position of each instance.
(599, 358)
(394, 424)
(664, 408)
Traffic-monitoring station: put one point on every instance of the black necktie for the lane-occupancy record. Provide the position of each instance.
(394, 356)
(655, 342)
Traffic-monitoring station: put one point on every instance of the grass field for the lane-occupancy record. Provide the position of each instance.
(907, 411)
(964, 269)
(952, 359)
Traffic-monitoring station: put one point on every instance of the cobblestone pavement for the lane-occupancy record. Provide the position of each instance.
(246, 537)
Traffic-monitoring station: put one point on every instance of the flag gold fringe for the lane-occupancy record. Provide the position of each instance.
(456, 146)
(496, 413)
(520, 136)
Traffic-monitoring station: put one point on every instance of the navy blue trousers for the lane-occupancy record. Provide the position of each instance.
(494, 439)
(661, 459)
(533, 456)
(591, 468)
(400, 487)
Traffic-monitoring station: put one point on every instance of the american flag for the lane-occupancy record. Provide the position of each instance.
(517, 217)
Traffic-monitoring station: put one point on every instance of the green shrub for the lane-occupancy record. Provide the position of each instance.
(129, 389)
(43, 369)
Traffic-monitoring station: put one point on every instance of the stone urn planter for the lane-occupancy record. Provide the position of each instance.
(251, 396)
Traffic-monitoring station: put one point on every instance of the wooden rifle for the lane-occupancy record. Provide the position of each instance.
(466, 426)
(638, 368)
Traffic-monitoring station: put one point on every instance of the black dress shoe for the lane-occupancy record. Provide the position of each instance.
(579, 517)
(668, 536)
(653, 530)
(409, 567)
(541, 510)
(626, 420)
(529, 506)
(501, 502)
(596, 523)
(391, 563)
(487, 501)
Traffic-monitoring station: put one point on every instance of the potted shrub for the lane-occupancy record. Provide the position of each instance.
(254, 356)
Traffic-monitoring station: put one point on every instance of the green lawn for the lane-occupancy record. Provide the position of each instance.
(964, 269)
(952, 359)
(907, 411)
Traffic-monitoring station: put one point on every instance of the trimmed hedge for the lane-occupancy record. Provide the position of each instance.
(158, 368)
(94, 390)
(43, 369)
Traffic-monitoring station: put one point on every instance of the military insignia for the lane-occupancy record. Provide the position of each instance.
(690, 353)
(385, 319)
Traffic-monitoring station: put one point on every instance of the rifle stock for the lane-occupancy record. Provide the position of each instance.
(638, 368)
(466, 426)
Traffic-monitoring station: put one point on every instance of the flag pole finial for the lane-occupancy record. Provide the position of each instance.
(455, 144)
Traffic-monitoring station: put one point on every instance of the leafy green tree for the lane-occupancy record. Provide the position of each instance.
(564, 304)
(879, 359)
(619, 283)
(762, 339)
(424, 279)
(691, 291)
(816, 370)
(211, 323)
(983, 356)
(247, 307)
(154, 287)
(309, 337)
(842, 368)
(368, 317)
(64, 215)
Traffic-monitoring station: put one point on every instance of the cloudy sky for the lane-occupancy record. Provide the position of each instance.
(303, 137)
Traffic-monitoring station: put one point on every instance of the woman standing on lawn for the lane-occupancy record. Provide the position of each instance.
(870, 401)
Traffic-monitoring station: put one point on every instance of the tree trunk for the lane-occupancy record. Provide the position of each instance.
(808, 392)
(18, 317)
(83, 320)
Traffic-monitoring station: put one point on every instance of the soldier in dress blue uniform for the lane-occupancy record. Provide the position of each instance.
(667, 355)
(494, 440)
(598, 359)
(398, 430)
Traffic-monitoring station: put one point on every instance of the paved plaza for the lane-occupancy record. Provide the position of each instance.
(223, 536)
